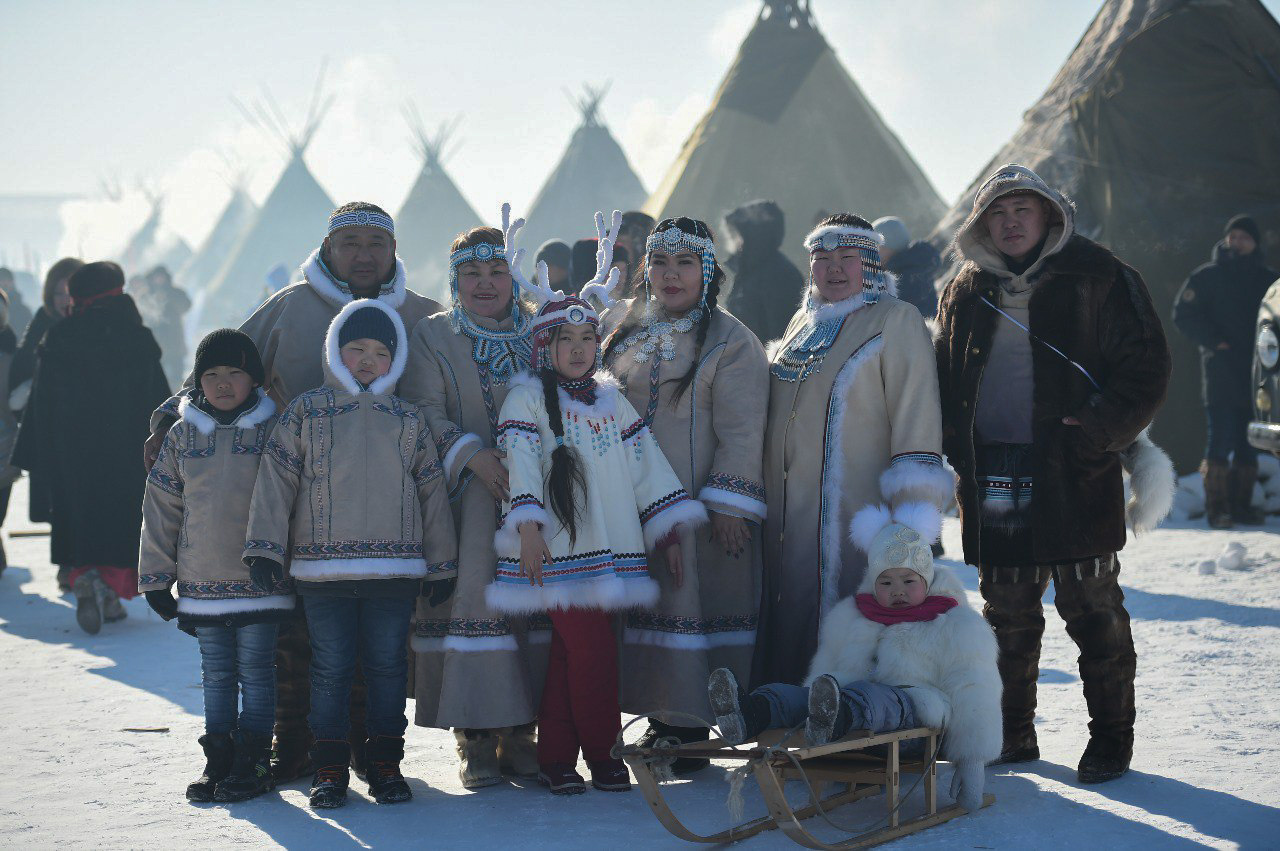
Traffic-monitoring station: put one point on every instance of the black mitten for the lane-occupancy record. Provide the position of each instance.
(439, 591)
(162, 603)
(264, 572)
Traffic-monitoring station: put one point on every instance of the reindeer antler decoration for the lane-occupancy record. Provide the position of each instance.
(541, 292)
(606, 277)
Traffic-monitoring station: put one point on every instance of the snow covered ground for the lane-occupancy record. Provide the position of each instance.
(1203, 774)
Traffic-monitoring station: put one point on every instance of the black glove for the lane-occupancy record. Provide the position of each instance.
(264, 572)
(439, 591)
(162, 603)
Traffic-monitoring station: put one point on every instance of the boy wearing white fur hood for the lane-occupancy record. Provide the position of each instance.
(905, 651)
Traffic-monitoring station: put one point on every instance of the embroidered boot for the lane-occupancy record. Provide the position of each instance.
(382, 770)
(88, 609)
(518, 751)
(250, 773)
(218, 752)
(477, 758)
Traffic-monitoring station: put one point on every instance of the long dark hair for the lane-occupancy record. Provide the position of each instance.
(566, 478)
(697, 228)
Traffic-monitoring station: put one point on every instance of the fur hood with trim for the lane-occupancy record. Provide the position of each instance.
(338, 293)
(205, 424)
(336, 373)
(973, 241)
(947, 665)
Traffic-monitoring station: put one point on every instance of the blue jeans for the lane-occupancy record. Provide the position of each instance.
(872, 706)
(373, 630)
(1228, 429)
(238, 659)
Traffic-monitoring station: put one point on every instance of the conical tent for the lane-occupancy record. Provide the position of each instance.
(789, 124)
(1162, 124)
(287, 228)
(433, 214)
(209, 258)
(593, 175)
(152, 244)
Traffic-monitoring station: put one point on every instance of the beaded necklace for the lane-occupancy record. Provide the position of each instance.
(580, 389)
(655, 336)
(804, 355)
(502, 353)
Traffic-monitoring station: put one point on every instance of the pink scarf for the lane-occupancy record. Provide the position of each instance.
(887, 615)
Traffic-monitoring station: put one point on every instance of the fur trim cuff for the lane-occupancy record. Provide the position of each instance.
(608, 593)
(507, 539)
(686, 511)
(459, 454)
(326, 569)
(919, 480)
(333, 358)
(479, 643)
(713, 497)
(234, 606)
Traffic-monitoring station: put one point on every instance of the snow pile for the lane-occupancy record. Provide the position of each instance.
(1188, 500)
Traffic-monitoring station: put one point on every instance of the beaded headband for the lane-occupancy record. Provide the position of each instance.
(674, 241)
(483, 252)
(361, 218)
(831, 237)
(571, 310)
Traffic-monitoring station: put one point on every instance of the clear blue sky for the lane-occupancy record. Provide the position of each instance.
(141, 89)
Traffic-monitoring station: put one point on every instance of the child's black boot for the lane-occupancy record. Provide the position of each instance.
(250, 768)
(332, 759)
(382, 770)
(218, 752)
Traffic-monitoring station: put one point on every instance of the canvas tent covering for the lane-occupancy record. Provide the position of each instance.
(789, 124)
(433, 214)
(1162, 124)
(151, 245)
(288, 227)
(593, 175)
(235, 220)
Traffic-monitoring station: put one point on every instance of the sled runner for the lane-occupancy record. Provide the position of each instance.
(773, 760)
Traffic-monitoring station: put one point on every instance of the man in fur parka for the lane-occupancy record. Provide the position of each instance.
(904, 651)
(1051, 363)
(356, 259)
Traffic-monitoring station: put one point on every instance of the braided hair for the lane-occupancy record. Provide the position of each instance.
(697, 228)
(566, 477)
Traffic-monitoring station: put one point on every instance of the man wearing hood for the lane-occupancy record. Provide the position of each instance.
(766, 285)
(1218, 309)
(356, 259)
(1051, 361)
(914, 264)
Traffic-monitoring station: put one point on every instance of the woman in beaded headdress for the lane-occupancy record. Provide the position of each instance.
(477, 670)
(700, 379)
(854, 420)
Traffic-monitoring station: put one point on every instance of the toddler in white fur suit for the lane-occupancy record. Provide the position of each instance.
(905, 651)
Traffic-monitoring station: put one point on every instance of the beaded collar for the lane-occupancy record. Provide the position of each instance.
(580, 389)
(502, 353)
(656, 334)
(803, 356)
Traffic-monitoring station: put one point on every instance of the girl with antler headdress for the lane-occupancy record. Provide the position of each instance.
(478, 670)
(701, 380)
(592, 502)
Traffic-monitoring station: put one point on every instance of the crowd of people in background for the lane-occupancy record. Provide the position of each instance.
(596, 489)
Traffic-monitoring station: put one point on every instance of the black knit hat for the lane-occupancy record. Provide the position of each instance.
(93, 279)
(1246, 224)
(229, 347)
(554, 252)
(369, 323)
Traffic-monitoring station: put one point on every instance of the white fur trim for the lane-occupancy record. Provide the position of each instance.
(843, 230)
(827, 310)
(259, 413)
(867, 523)
(923, 517)
(313, 273)
(1152, 483)
(608, 593)
(479, 644)
(923, 479)
(683, 641)
(833, 478)
(467, 441)
(538, 636)
(234, 606)
(333, 357)
(608, 388)
(199, 420)
(711, 497)
(426, 645)
(506, 539)
(205, 424)
(689, 512)
(322, 569)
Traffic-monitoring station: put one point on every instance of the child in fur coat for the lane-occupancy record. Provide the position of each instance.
(905, 651)
(590, 495)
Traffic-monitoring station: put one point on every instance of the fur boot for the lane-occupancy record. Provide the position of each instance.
(108, 601)
(1217, 494)
(1017, 618)
(1241, 481)
(518, 751)
(478, 758)
(88, 608)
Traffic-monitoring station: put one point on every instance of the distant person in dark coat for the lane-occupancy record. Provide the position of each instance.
(1218, 309)
(19, 313)
(915, 264)
(163, 306)
(97, 380)
(557, 255)
(766, 285)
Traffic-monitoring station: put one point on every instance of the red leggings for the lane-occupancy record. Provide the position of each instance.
(580, 697)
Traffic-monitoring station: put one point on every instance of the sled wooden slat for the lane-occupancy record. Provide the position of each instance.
(846, 762)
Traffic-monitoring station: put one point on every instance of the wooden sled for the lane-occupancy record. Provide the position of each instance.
(846, 761)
